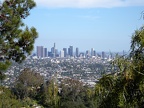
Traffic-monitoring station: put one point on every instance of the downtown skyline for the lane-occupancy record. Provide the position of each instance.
(108, 29)
(72, 51)
(75, 49)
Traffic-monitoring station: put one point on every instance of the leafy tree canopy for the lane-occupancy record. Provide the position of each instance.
(16, 39)
(27, 84)
(125, 87)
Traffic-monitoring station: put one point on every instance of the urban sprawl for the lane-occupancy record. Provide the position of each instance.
(86, 67)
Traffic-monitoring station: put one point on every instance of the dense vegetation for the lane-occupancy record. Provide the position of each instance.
(16, 39)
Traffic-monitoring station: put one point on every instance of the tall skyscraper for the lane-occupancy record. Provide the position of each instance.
(45, 52)
(65, 52)
(95, 53)
(54, 45)
(77, 52)
(39, 51)
(53, 51)
(103, 55)
(71, 51)
(87, 53)
(56, 53)
(92, 52)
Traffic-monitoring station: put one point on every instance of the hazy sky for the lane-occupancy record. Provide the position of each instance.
(105, 25)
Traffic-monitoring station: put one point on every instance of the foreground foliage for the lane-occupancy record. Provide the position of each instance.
(125, 88)
(16, 39)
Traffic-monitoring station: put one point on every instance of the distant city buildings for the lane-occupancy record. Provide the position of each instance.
(62, 53)
(92, 52)
(65, 52)
(45, 52)
(39, 51)
(87, 53)
(53, 51)
(77, 52)
(69, 52)
(103, 55)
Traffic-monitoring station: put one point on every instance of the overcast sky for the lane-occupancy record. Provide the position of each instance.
(105, 25)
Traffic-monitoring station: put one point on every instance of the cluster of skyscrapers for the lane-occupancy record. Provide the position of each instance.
(65, 52)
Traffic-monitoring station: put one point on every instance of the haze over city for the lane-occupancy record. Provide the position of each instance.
(104, 26)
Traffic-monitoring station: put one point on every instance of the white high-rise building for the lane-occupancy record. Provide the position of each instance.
(62, 53)
(92, 52)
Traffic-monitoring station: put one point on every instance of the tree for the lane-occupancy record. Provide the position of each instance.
(48, 94)
(7, 99)
(27, 84)
(75, 95)
(16, 39)
(125, 88)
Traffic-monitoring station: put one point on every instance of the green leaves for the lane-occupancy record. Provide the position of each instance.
(4, 65)
(7, 99)
(125, 87)
(15, 42)
(28, 83)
